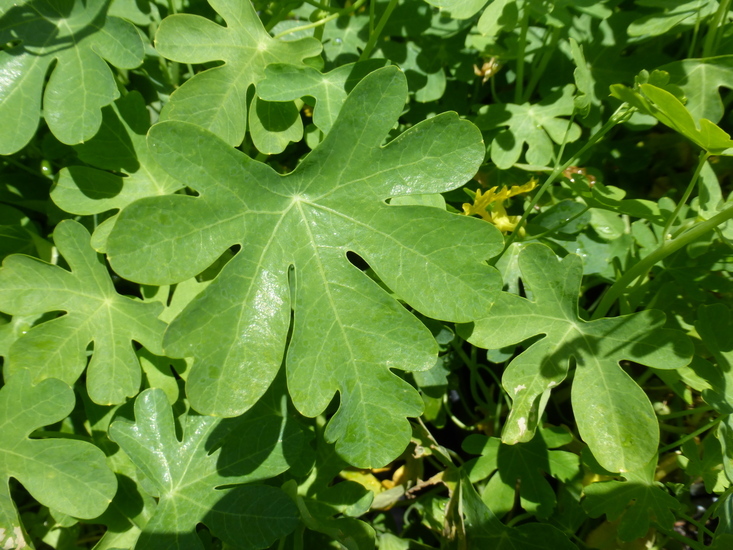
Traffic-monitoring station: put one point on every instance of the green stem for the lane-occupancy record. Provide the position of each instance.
(640, 268)
(712, 39)
(704, 408)
(681, 538)
(617, 117)
(522, 46)
(547, 52)
(689, 436)
(373, 37)
(704, 156)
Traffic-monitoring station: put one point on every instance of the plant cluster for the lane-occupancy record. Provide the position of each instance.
(394, 274)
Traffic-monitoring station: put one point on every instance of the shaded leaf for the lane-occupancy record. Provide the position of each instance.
(613, 413)
(80, 37)
(347, 331)
(118, 147)
(94, 313)
(638, 500)
(66, 475)
(287, 82)
(484, 530)
(537, 125)
(701, 80)
(209, 475)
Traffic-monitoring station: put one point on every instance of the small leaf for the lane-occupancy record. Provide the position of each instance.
(613, 413)
(95, 313)
(287, 82)
(638, 501)
(66, 475)
(119, 147)
(484, 530)
(536, 125)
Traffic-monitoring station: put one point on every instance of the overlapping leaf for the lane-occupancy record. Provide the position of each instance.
(209, 475)
(537, 125)
(216, 99)
(287, 82)
(613, 414)
(347, 333)
(638, 500)
(484, 530)
(66, 475)
(521, 466)
(119, 147)
(80, 37)
(701, 80)
(94, 313)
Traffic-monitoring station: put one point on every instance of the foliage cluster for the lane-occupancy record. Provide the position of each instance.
(395, 274)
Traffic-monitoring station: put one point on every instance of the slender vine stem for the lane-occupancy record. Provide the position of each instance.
(712, 39)
(640, 268)
(522, 46)
(374, 36)
(704, 156)
(689, 436)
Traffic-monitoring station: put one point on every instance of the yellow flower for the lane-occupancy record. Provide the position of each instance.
(495, 201)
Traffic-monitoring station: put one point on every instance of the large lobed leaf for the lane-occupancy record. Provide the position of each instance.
(66, 475)
(209, 475)
(216, 99)
(613, 414)
(80, 36)
(347, 332)
(94, 313)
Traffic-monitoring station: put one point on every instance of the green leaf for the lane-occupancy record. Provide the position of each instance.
(66, 475)
(669, 110)
(484, 530)
(94, 313)
(274, 125)
(701, 80)
(347, 331)
(537, 125)
(120, 148)
(638, 500)
(287, 82)
(209, 475)
(715, 326)
(613, 414)
(216, 98)
(79, 36)
(522, 466)
(459, 9)
(671, 14)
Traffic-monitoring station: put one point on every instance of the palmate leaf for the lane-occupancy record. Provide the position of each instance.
(638, 500)
(66, 475)
(536, 125)
(521, 466)
(701, 80)
(347, 332)
(119, 147)
(613, 414)
(189, 475)
(80, 36)
(94, 312)
(484, 530)
(216, 99)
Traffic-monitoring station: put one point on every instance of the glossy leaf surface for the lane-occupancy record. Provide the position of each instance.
(331, 204)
